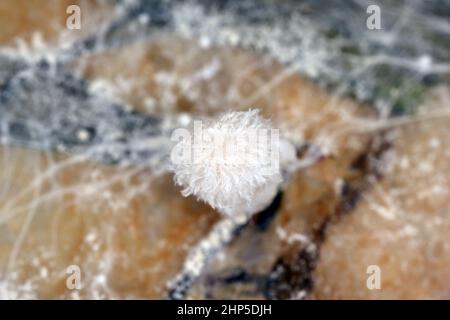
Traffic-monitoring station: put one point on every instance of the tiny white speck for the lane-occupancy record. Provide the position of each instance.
(424, 62)
(83, 135)
(101, 279)
(205, 42)
(43, 272)
(143, 19)
(434, 143)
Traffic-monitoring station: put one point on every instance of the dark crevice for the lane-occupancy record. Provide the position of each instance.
(263, 219)
(291, 276)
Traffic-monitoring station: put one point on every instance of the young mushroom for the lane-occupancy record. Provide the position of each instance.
(236, 163)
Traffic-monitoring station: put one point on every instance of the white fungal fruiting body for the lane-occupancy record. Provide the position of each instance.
(232, 164)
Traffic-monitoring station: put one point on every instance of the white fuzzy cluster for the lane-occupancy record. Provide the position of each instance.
(228, 169)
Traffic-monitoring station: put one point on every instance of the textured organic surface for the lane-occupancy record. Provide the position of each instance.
(85, 123)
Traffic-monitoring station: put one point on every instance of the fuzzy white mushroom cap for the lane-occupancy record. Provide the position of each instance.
(232, 163)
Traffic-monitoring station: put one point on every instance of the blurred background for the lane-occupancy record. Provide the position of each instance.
(90, 91)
